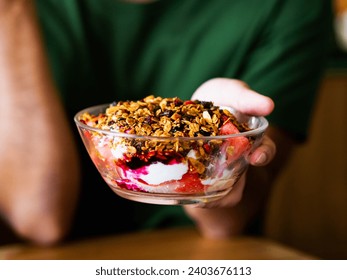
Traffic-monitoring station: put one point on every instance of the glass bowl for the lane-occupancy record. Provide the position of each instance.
(183, 170)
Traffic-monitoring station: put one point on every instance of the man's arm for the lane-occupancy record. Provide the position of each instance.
(39, 174)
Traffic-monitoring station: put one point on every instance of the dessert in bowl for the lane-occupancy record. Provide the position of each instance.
(169, 151)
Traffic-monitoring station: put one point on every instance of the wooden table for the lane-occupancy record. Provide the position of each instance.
(173, 244)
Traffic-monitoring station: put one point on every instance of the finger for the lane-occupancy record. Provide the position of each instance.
(264, 153)
(236, 94)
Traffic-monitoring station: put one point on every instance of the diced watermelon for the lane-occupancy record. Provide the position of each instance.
(234, 147)
(191, 183)
(228, 128)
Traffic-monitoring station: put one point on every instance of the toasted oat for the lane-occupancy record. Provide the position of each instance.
(164, 117)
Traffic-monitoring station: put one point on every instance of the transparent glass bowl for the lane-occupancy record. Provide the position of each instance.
(183, 170)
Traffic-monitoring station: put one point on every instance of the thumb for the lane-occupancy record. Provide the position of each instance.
(236, 94)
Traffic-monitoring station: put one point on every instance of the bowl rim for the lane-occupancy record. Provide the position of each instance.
(259, 130)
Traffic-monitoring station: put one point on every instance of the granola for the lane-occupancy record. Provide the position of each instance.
(163, 117)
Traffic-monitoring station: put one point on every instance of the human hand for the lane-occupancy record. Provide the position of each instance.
(236, 94)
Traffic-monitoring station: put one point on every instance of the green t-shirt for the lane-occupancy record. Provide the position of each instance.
(106, 50)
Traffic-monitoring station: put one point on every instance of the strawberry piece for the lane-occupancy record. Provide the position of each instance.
(234, 147)
(190, 183)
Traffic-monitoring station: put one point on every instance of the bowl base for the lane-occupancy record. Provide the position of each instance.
(169, 199)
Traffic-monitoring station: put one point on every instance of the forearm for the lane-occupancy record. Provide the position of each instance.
(38, 164)
(230, 221)
(23, 64)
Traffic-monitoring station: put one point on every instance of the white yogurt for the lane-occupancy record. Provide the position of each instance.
(119, 151)
(159, 173)
(157, 177)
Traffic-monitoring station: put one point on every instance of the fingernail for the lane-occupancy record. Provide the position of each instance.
(261, 159)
